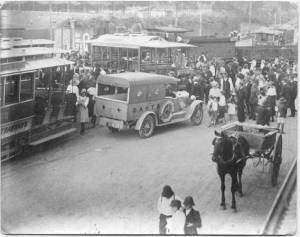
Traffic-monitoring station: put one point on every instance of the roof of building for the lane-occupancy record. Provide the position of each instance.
(135, 41)
(36, 64)
(208, 39)
(130, 79)
(266, 30)
(169, 29)
(30, 51)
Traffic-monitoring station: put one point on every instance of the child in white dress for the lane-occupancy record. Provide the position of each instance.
(231, 109)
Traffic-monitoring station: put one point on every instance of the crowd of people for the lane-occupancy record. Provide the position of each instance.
(257, 90)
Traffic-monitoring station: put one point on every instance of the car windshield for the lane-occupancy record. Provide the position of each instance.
(113, 92)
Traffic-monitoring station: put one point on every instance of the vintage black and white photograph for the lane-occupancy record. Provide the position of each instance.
(149, 117)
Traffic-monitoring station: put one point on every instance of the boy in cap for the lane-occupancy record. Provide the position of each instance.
(193, 219)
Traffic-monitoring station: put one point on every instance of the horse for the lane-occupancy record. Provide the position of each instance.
(230, 154)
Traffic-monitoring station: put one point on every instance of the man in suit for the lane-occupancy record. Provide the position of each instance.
(193, 219)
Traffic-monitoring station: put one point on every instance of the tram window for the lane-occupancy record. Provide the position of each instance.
(26, 86)
(12, 89)
(15, 59)
(3, 60)
(1, 91)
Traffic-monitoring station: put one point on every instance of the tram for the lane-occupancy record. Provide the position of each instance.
(32, 85)
(139, 52)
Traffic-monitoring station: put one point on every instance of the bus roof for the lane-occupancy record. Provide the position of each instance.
(36, 64)
(131, 79)
(135, 41)
(29, 52)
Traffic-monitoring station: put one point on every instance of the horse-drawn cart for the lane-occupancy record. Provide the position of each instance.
(264, 142)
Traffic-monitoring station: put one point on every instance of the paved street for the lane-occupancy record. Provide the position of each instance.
(110, 183)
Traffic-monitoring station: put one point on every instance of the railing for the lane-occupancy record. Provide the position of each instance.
(281, 202)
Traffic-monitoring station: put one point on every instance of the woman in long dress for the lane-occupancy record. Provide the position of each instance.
(82, 104)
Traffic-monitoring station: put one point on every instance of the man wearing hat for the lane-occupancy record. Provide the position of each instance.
(226, 83)
(193, 219)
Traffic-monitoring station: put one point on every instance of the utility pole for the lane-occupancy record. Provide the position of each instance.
(250, 17)
(50, 18)
(176, 16)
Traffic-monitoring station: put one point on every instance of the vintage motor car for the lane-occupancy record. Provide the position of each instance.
(143, 101)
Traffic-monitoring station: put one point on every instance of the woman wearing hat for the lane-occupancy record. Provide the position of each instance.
(82, 104)
(164, 208)
(193, 219)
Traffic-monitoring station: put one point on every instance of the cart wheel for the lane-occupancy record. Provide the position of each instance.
(147, 127)
(276, 160)
(197, 115)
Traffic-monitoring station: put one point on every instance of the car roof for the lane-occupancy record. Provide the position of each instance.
(131, 79)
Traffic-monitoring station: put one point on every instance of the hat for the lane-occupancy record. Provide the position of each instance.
(188, 201)
(240, 75)
(74, 82)
(214, 84)
(92, 91)
(175, 203)
(222, 70)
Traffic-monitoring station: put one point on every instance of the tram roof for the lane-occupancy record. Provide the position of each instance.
(19, 52)
(36, 64)
(135, 41)
(130, 79)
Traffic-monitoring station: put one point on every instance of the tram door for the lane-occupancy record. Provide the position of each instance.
(50, 95)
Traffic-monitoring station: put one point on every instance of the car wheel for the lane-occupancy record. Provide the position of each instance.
(197, 115)
(113, 130)
(147, 127)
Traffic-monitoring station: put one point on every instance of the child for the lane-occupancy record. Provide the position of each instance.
(262, 117)
(271, 97)
(281, 113)
(193, 219)
(176, 223)
(231, 109)
(82, 104)
(213, 110)
(222, 107)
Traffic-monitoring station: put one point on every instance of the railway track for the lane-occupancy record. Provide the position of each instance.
(284, 205)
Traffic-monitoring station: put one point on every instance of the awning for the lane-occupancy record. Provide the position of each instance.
(37, 64)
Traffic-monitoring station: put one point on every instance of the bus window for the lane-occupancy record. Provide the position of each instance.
(26, 86)
(12, 89)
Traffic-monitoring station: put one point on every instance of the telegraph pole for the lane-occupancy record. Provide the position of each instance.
(250, 17)
(50, 16)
